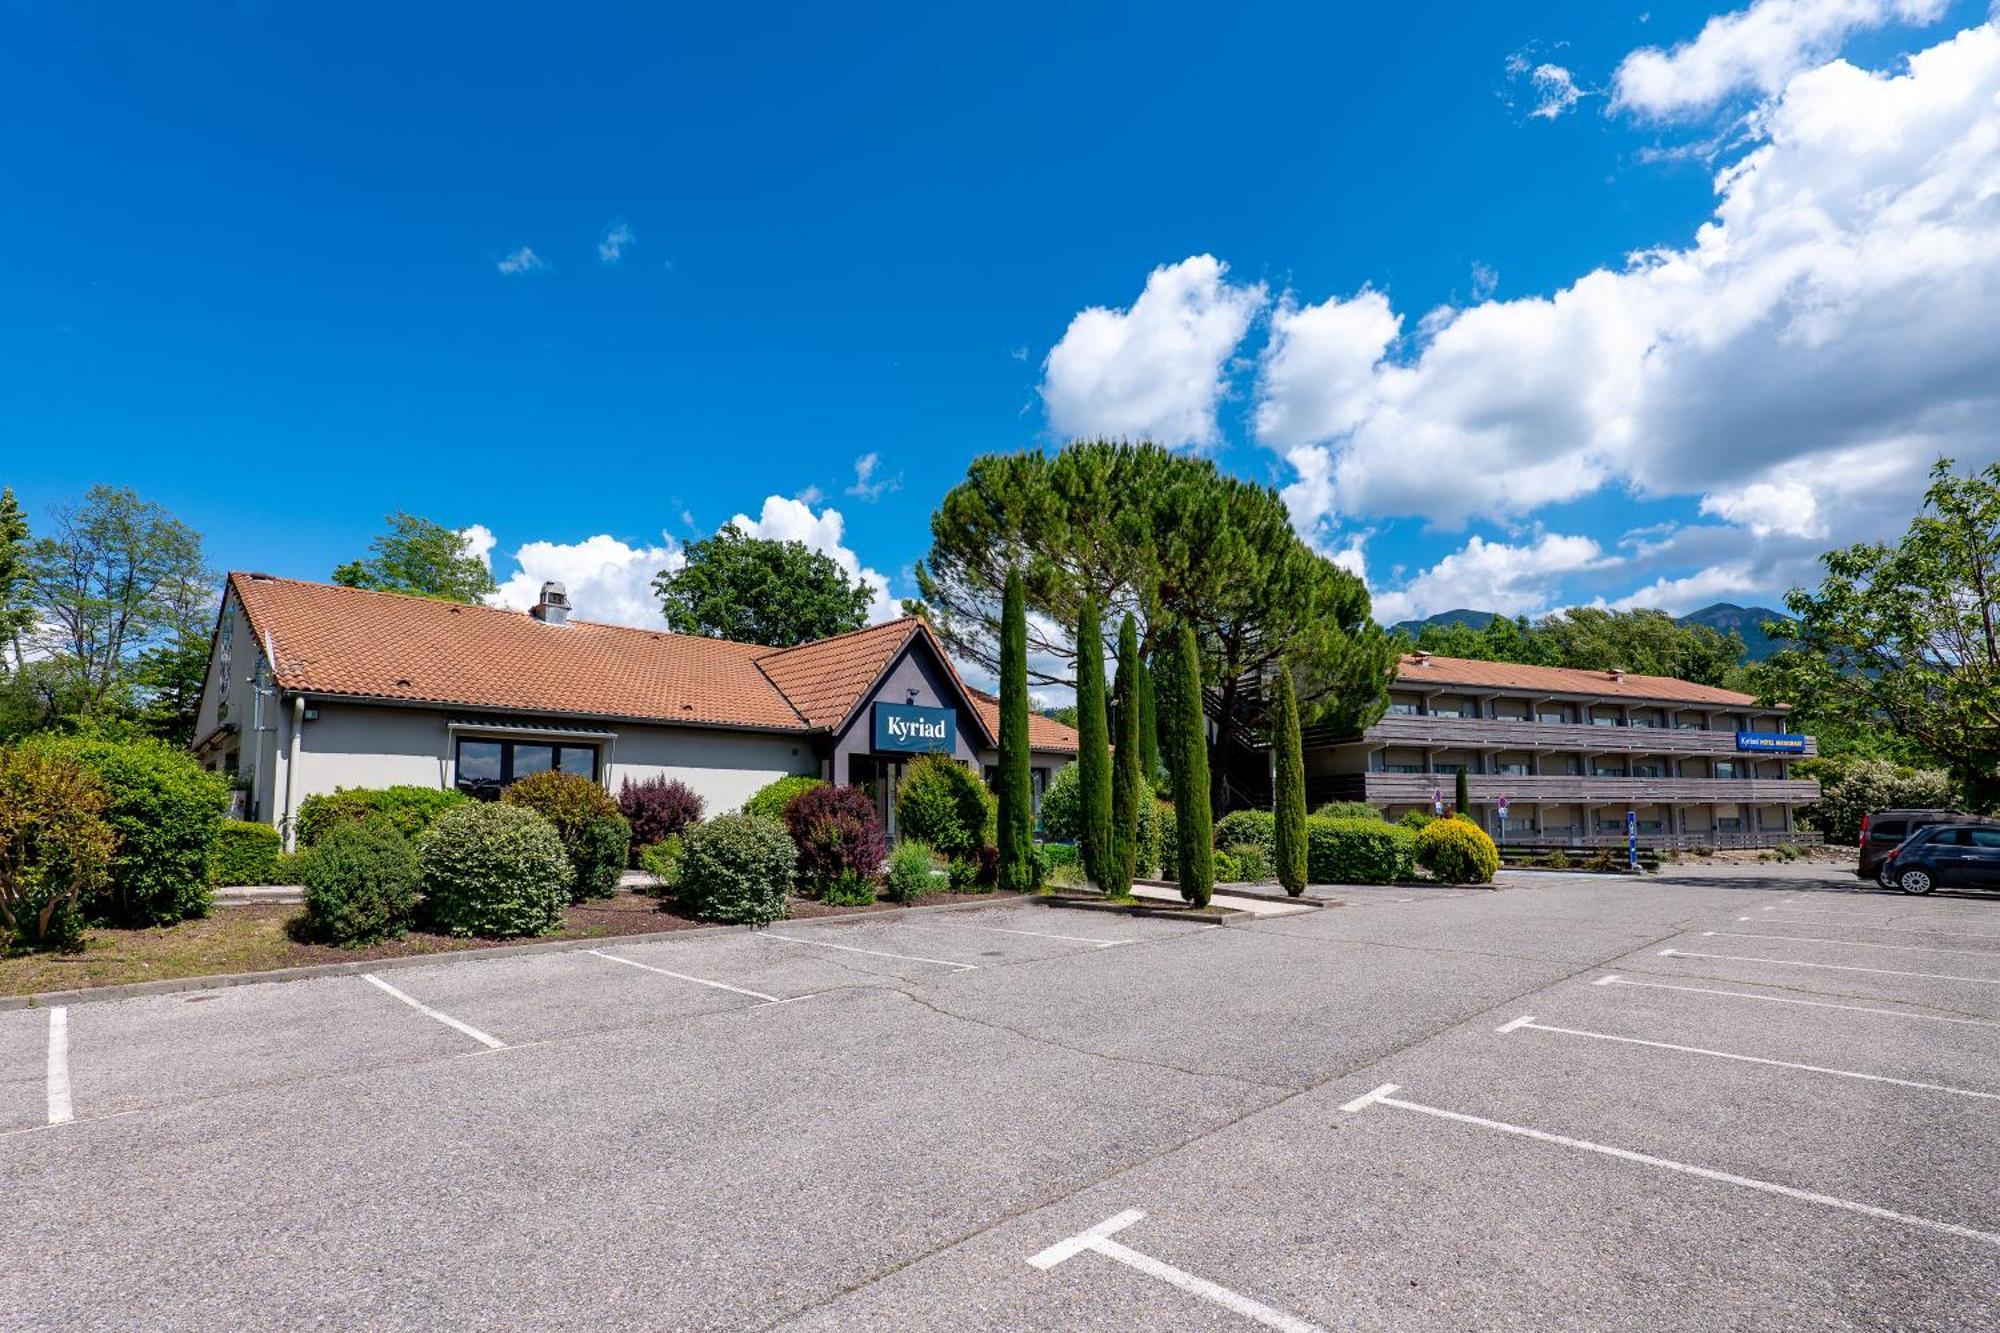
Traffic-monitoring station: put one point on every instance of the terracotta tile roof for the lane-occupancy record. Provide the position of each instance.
(1044, 733)
(825, 679)
(1419, 668)
(345, 641)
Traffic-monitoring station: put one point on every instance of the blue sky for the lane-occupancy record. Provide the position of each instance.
(598, 278)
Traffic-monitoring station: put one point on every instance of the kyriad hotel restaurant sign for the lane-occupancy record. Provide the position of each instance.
(909, 729)
(1770, 742)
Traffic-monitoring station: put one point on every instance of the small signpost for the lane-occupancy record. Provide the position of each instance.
(1503, 821)
(1437, 801)
(1632, 838)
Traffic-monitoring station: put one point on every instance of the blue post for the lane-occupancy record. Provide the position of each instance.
(1632, 839)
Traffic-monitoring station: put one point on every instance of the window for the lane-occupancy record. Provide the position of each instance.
(1513, 768)
(1598, 720)
(1447, 710)
(486, 767)
(1608, 770)
(1402, 707)
(1559, 716)
(1646, 768)
(1984, 837)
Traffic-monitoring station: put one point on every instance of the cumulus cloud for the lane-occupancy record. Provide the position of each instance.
(1840, 312)
(611, 246)
(1156, 370)
(1540, 88)
(1512, 579)
(522, 260)
(1751, 50)
(867, 484)
(784, 519)
(608, 579)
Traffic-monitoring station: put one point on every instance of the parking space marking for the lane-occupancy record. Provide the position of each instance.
(1894, 930)
(1830, 967)
(682, 976)
(873, 953)
(1853, 944)
(1098, 1240)
(60, 1111)
(1615, 980)
(427, 1011)
(1527, 1021)
(1382, 1097)
(1005, 930)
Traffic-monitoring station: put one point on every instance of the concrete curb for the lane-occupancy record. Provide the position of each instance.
(312, 972)
(1206, 918)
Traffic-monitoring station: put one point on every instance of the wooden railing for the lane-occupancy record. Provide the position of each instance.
(1486, 788)
(1487, 733)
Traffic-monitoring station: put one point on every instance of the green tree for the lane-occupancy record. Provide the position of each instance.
(1852, 786)
(1020, 868)
(1194, 828)
(1128, 786)
(116, 576)
(17, 579)
(1149, 720)
(1591, 638)
(423, 558)
(1289, 832)
(1093, 752)
(1907, 634)
(1461, 793)
(753, 590)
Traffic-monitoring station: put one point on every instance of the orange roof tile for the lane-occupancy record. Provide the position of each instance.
(1430, 669)
(1044, 733)
(825, 679)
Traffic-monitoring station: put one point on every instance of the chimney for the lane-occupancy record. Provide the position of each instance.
(1420, 658)
(552, 608)
(1616, 673)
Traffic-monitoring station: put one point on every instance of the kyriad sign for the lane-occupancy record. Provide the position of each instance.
(1770, 742)
(909, 729)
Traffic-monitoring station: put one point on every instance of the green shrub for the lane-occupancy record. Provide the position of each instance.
(1358, 851)
(962, 874)
(494, 870)
(165, 811)
(245, 853)
(289, 867)
(1251, 861)
(1415, 819)
(1457, 851)
(1164, 828)
(1146, 861)
(662, 860)
(56, 847)
(1348, 810)
(738, 869)
(1055, 854)
(942, 802)
(770, 800)
(1258, 827)
(1557, 860)
(911, 872)
(410, 810)
(1789, 851)
(361, 883)
(1062, 805)
(848, 888)
(1225, 868)
(594, 833)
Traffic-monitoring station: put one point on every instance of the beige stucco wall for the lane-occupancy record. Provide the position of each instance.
(725, 767)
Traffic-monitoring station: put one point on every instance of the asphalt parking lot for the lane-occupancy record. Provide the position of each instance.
(1746, 1099)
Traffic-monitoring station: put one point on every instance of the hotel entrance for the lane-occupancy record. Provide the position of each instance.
(877, 775)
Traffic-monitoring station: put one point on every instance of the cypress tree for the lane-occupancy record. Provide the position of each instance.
(1461, 793)
(1093, 754)
(1166, 665)
(1149, 723)
(1291, 786)
(1127, 787)
(1193, 823)
(1020, 869)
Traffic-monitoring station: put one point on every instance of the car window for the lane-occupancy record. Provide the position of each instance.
(1984, 837)
(1890, 830)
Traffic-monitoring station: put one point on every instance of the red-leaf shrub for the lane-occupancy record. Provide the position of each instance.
(837, 834)
(659, 808)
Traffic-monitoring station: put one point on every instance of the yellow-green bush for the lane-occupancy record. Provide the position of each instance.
(1457, 851)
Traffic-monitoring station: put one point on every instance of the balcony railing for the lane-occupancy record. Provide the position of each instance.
(1489, 733)
(1486, 788)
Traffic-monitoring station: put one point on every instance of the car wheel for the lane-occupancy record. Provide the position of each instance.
(1915, 881)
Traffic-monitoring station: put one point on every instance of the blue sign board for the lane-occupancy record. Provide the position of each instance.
(1632, 838)
(908, 729)
(1770, 742)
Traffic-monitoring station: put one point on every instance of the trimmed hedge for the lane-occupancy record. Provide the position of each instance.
(495, 870)
(410, 810)
(1457, 851)
(1348, 810)
(1249, 863)
(596, 836)
(658, 808)
(361, 884)
(769, 801)
(839, 840)
(1415, 819)
(55, 847)
(1248, 826)
(245, 853)
(1358, 851)
(165, 810)
(942, 802)
(1164, 826)
(738, 869)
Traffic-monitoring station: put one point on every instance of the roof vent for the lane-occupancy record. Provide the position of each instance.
(1616, 673)
(1421, 658)
(552, 608)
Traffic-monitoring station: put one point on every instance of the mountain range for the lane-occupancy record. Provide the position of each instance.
(1722, 617)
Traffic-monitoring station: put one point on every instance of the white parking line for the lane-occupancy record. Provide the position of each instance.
(1098, 1239)
(60, 1112)
(429, 1012)
(1381, 1097)
(1829, 967)
(1004, 930)
(873, 953)
(1870, 923)
(1854, 944)
(1528, 1022)
(682, 976)
(1615, 980)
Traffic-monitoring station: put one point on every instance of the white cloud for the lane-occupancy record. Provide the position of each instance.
(1717, 583)
(480, 541)
(1155, 371)
(611, 246)
(867, 486)
(1316, 378)
(522, 260)
(1555, 91)
(1842, 303)
(1755, 49)
(608, 580)
(789, 520)
(1540, 88)
(1494, 576)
